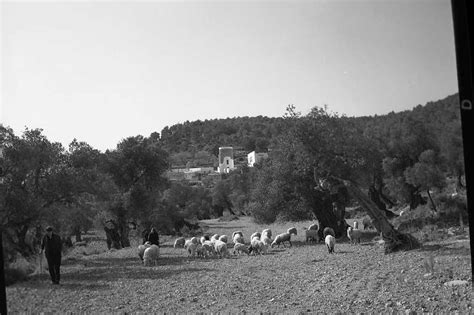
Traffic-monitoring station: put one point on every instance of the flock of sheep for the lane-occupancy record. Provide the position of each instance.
(217, 245)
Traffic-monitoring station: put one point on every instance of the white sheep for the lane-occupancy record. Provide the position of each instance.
(151, 254)
(267, 232)
(257, 246)
(179, 242)
(266, 240)
(330, 242)
(141, 249)
(223, 238)
(199, 250)
(208, 249)
(238, 237)
(191, 245)
(267, 237)
(214, 238)
(221, 248)
(256, 234)
(314, 226)
(240, 248)
(356, 225)
(311, 235)
(353, 235)
(284, 237)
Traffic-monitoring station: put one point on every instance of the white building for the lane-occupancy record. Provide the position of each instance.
(254, 157)
(226, 159)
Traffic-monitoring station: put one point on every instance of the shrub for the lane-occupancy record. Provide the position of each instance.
(260, 214)
(18, 270)
(14, 275)
(450, 210)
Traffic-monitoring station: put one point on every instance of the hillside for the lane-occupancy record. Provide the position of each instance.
(198, 141)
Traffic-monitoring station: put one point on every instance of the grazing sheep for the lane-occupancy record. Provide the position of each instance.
(199, 250)
(240, 248)
(214, 238)
(191, 245)
(284, 237)
(257, 246)
(238, 237)
(328, 231)
(221, 248)
(179, 242)
(330, 242)
(267, 233)
(208, 249)
(311, 235)
(266, 240)
(150, 256)
(223, 238)
(256, 234)
(267, 237)
(353, 235)
(141, 249)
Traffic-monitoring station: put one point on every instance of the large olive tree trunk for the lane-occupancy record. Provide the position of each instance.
(330, 212)
(394, 240)
(113, 236)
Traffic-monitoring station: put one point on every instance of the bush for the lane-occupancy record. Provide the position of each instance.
(355, 213)
(14, 275)
(260, 214)
(450, 210)
(18, 270)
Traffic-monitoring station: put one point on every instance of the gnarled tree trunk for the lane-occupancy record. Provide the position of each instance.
(112, 234)
(394, 240)
(330, 212)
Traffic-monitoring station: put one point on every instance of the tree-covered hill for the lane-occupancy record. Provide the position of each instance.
(198, 141)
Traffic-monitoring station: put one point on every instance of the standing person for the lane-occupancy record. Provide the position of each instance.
(145, 235)
(153, 237)
(52, 246)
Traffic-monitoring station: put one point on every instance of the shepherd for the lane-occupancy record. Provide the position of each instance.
(52, 246)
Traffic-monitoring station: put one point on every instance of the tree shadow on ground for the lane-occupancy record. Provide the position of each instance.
(278, 249)
(131, 273)
(88, 278)
(217, 226)
(342, 252)
(446, 250)
(367, 236)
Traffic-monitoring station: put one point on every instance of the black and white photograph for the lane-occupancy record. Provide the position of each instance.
(234, 157)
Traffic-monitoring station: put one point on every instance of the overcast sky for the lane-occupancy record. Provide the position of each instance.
(103, 71)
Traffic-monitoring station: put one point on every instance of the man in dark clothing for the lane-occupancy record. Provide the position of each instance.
(52, 246)
(145, 235)
(153, 237)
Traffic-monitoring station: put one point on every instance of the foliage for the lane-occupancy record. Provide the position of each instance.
(41, 181)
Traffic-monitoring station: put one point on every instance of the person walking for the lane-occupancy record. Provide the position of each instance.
(153, 237)
(52, 246)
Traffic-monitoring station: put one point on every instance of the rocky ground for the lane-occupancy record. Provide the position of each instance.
(300, 279)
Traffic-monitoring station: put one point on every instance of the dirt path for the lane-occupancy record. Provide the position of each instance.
(304, 278)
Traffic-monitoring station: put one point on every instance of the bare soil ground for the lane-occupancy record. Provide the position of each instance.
(300, 279)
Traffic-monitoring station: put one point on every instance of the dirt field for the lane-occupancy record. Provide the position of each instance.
(300, 279)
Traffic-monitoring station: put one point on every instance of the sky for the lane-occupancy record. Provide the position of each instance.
(102, 71)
